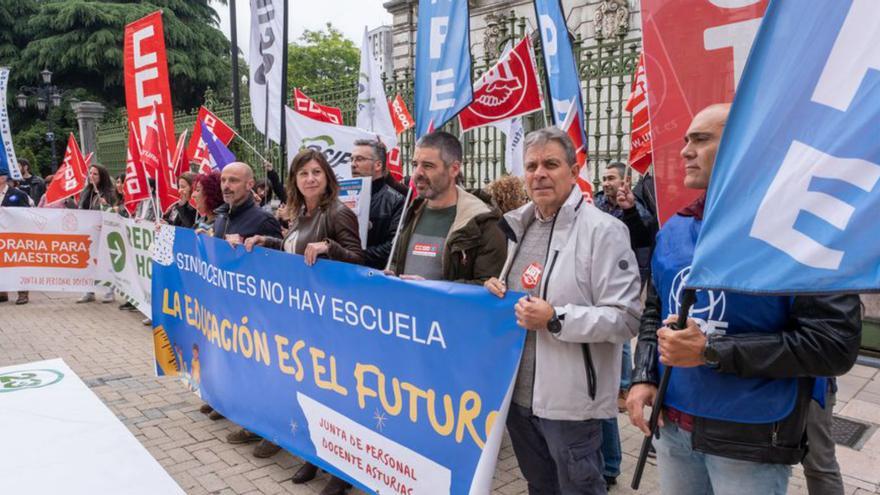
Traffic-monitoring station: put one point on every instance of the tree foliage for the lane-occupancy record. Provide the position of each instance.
(321, 57)
(81, 42)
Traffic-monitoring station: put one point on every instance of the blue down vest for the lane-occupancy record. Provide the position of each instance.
(701, 391)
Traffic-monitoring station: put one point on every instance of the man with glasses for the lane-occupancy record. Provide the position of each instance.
(386, 203)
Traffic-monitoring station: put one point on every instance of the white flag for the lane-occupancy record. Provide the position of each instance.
(334, 140)
(373, 113)
(513, 152)
(267, 18)
(7, 152)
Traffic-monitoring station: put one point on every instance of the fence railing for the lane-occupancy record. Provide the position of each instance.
(605, 66)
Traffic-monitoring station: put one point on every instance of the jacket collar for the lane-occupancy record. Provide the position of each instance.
(520, 219)
(226, 209)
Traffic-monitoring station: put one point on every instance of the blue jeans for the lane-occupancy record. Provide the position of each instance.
(685, 471)
(611, 451)
(626, 367)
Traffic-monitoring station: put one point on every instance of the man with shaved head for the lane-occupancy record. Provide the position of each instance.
(240, 217)
(237, 219)
(747, 367)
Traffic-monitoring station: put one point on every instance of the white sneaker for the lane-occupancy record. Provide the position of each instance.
(87, 297)
(108, 298)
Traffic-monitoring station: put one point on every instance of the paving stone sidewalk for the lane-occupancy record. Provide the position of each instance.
(112, 352)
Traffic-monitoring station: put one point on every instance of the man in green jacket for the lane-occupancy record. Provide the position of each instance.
(447, 233)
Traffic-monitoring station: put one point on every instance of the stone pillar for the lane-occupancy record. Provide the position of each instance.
(88, 114)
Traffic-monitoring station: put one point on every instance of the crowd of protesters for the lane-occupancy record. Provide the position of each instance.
(596, 275)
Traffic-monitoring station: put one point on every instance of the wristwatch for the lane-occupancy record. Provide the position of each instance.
(555, 324)
(710, 354)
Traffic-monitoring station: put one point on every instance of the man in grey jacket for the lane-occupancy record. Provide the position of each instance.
(582, 304)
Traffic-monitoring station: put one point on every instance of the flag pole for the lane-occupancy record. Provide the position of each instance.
(252, 147)
(399, 226)
(688, 298)
(236, 91)
(283, 133)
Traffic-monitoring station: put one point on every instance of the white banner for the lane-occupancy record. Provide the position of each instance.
(266, 49)
(49, 249)
(373, 113)
(7, 152)
(126, 261)
(58, 437)
(335, 141)
(513, 147)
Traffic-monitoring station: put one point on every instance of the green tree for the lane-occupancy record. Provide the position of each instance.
(320, 58)
(81, 42)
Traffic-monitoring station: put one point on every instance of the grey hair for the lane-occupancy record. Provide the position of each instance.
(448, 145)
(380, 153)
(546, 135)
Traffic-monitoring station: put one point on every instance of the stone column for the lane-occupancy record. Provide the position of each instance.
(88, 114)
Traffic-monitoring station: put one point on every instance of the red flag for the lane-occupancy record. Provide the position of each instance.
(640, 133)
(145, 69)
(572, 127)
(197, 151)
(70, 179)
(156, 159)
(394, 167)
(693, 57)
(135, 187)
(400, 115)
(306, 106)
(509, 89)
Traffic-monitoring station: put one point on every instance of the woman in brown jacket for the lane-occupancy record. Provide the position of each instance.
(320, 226)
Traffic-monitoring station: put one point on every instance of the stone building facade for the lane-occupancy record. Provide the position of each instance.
(584, 17)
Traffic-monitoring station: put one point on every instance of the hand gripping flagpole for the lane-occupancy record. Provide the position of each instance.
(687, 300)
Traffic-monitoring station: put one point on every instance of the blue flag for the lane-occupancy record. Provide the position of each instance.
(561, 69)
(793, 201)
(443, 63)
(218, 151)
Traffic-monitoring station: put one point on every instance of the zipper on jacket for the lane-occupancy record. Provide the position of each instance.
(774, 437)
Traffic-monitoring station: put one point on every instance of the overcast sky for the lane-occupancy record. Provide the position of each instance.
(348, 16)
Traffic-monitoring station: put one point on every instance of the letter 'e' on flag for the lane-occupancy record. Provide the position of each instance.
(793, 202)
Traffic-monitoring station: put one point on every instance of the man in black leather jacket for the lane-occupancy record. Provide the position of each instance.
(703, 447)
(386, 203)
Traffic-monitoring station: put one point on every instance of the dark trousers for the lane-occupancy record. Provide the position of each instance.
(820, 464)
(557, 457)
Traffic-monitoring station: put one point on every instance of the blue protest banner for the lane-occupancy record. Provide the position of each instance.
(561, 69)
(443, 63)
(793, 201)
(399, 387)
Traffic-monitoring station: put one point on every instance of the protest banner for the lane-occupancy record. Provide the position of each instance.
(125, 261)
(310, 108)
(60, 438)
(265, 62)
(355, 369)
(373, 113)
(71, 177)
(694, 54)
(48, 249)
